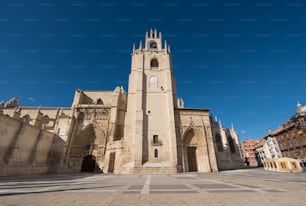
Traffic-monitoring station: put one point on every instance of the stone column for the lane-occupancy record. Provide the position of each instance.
(210, 147)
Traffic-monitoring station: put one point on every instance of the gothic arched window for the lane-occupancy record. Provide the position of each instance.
(156, 153)
(99, 101)
(154, 63)
(219, 142)
(231, 144)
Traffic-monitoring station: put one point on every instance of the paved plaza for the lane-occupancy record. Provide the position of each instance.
(237, 187)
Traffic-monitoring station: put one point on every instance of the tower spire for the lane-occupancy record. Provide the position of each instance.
(153, 41)
(220, 123)
(298, 104)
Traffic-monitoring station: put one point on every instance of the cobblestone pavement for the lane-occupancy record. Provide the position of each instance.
(237, 187)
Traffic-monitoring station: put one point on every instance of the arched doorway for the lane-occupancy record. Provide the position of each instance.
(190, 151)
(192, 159)
(87, 150)
(88, 164)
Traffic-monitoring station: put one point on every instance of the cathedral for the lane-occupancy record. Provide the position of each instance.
(144, 130)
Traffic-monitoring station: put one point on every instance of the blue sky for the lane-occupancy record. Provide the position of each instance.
(244, 60)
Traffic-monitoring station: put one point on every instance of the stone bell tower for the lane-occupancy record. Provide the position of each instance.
(150, 124)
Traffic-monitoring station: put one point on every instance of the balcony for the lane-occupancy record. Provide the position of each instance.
(158, 143)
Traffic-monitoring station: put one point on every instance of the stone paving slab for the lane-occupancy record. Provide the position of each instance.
(172, 191)
(213, 186)
(169, 187)
(241, 187)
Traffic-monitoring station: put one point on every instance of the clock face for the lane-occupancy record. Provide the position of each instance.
(153, 80)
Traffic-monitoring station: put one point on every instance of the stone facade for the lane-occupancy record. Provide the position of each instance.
(25, 148)
(146, 130)
(227, 146)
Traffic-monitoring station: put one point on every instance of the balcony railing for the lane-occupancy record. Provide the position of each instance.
(159, 143)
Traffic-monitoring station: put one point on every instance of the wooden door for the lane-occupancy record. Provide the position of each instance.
(111, 164)
(192, 159)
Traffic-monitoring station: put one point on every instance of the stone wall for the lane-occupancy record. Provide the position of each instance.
(227, 147)
(195, 132)
(24, 148)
